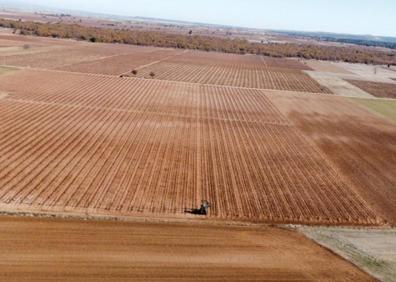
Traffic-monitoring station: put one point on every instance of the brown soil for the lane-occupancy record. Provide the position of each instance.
(103, 144)
(360, 143)
(378, 89)
(324, 66)
(232, 70)
(248, 71)
(117, 65)
(33, 249)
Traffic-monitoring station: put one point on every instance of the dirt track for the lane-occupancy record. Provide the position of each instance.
(75, 251)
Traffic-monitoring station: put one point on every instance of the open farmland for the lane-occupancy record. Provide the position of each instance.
(76, 56)
(113, 251)
(362, 144)
(248, 71)
(66, 56)
(116, 65)
(378, 89)
(121, 146)
(373, 250)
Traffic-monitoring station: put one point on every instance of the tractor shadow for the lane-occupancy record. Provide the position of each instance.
(203, 210)
(195, 211)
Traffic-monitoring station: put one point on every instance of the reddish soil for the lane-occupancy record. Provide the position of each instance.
(117, 65)
(361, 144)
(247, 71)
(107, 251)
(120, 146)
(79, 56)
(377, 89)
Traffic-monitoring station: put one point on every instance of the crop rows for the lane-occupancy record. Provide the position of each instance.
(358, 142)
(125, 146)
(75, 54)
(235, 75)
(162, 97)
(222, 59)
(117, 65)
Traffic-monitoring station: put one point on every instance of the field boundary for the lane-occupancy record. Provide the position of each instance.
(167, 218)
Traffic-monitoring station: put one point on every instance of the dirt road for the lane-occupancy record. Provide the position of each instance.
(33, 249)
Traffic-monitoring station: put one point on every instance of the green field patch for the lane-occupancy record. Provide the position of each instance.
(386, 108)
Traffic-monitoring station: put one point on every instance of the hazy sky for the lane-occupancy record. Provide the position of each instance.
(377, 17)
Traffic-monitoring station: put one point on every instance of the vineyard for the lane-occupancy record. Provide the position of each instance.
(248, 71)
(361, 144)
(237, 76)
(116, 65)
(121, 146)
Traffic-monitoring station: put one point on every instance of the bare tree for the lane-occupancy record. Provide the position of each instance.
(152, 74)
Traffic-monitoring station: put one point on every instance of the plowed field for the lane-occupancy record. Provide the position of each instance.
(248, 71)
(117, 65)
(234, 70)
(119, 146)
(378, 89)
(42, 250)
(360, 143)
(81, 56)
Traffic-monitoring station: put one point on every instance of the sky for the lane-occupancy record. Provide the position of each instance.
(374, 17)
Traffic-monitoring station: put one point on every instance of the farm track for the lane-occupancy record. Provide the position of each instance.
(119, 64)
(127, 146)
(245, 71)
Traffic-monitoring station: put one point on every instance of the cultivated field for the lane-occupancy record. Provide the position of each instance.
(122, 146)
(106, 251)
(373, 250)
(378, 89)
(361, 144)
(117, 65)
(76, 137)
(247, 71)
(260, 139)
(238, 71)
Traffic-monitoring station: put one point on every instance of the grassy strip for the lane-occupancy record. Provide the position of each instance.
(4, 70)
(386, 108)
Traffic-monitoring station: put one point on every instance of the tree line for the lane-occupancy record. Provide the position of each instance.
(353, 54)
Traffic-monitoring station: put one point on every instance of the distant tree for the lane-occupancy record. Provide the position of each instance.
(134, 72)
(152, 74)
(199, 42)
(190, 32)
